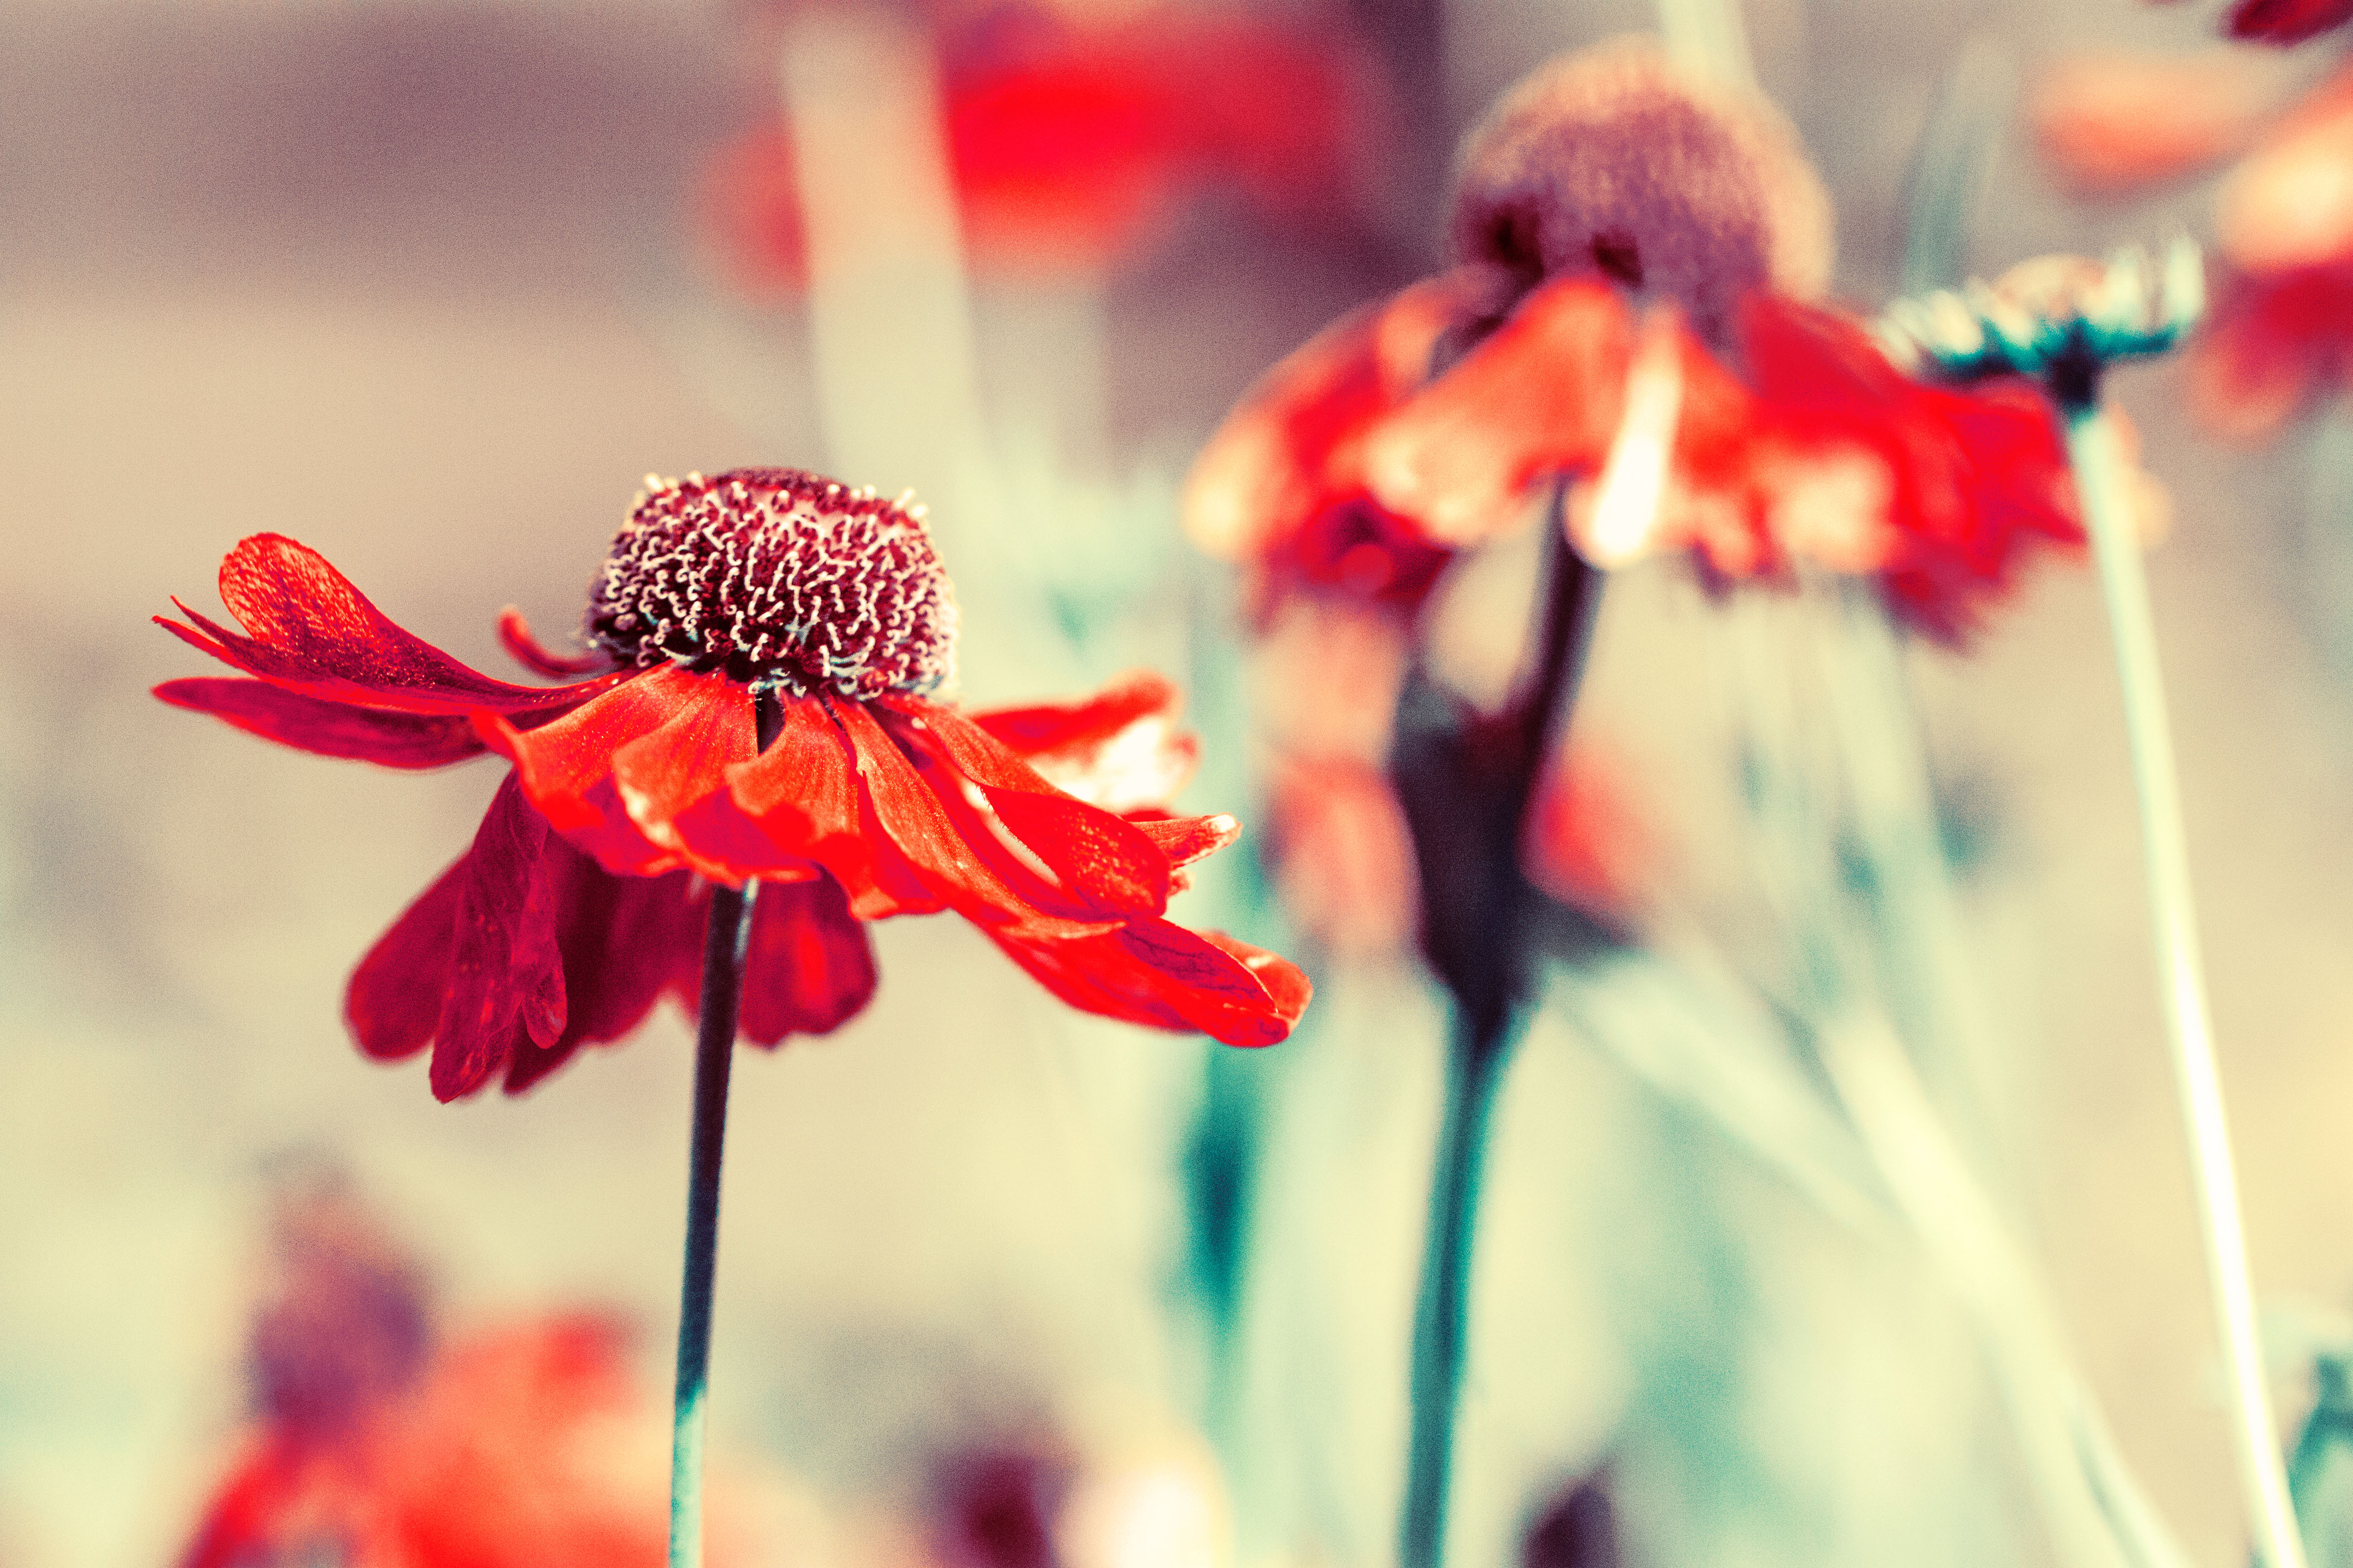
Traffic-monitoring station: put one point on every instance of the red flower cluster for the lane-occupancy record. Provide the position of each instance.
(1426, 424)
(381, 1446)
(1066, 144)
(578, 904)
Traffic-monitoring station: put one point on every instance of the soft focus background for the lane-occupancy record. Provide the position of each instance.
(427, 284)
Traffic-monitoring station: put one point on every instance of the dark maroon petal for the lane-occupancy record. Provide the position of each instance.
(328, 729)
(811, 968)
(312, 632)
(506, 974)
(514, 635)
(1101, 862)
(394, 998)
(912, 813)
(625, 941)
(1162, 975)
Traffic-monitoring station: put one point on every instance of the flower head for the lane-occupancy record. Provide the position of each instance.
(1630, 321)
(1612, 164)
(645, 779)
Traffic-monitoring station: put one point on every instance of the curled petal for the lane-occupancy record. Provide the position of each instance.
(916, 818)
(1119, 749)
(1101, 861)
(625, 943)
(515, 635)
(1540, 395)
(393, 1001)
(328, 729)
(506, 970)
(1185, 839)
(660, 776)
(1162, 975)
(811, 968)
(312, 632)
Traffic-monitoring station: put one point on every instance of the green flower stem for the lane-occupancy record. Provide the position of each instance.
(2099, 477)
(1473, 1067)
(725, 940)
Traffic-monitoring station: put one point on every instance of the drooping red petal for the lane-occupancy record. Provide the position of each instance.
(393, 1001)
(1118, 749)
(802, 793)
(1160, 974)
(809, 969)
(242, 1522)
(514, 634)
(910, 813)
(661, 776)
(626, 941)
(1105, 864)
(2286, 21)
(566, 766)
(1540, 395)
(312, 632)
(328, 729)
(506, 972)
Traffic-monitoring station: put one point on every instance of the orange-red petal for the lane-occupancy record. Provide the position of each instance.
(312, 632)
(1540, 395)
(1161, 975)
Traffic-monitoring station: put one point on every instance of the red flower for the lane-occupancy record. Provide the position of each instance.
(2286, 21)
(1605, 184)
(1069, 145)
(381, 1449)
(576, 907)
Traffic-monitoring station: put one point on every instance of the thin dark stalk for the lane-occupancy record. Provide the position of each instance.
(1465, 781)
(726, 939)
(1473, 1068)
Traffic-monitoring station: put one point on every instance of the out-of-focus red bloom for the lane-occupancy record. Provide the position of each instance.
(379, 1449)
(2281, 324)
(2115, 123)
(575, 909)
(1068, 144)
(2286, 21)
(2280, 327)
(1630, 314)
(1587, 842)
(1340, 854)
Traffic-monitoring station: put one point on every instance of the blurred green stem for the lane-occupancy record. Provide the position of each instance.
(2100, 475)
(1473, 1067)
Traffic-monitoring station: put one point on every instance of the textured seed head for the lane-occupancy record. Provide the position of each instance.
(782, 579)
(1611, 163)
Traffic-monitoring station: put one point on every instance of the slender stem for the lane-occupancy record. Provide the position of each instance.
(1465, 784)
(726, 939)
(2091, 444)
(1473, 1067)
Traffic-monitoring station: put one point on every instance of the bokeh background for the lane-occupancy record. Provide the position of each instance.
(427, 284)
